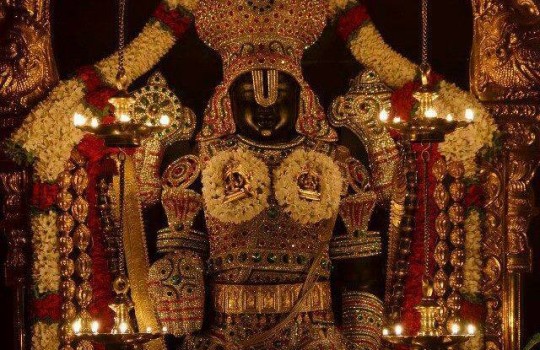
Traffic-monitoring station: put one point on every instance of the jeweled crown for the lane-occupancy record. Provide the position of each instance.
(253, 35)
(245, 27)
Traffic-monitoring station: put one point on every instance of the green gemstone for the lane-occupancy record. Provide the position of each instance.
(230, 258)
(300, 259)
(176, 279)
(271, 258)
(257, 257)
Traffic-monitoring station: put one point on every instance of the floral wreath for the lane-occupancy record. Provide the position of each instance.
(286, 177)
(214, 186)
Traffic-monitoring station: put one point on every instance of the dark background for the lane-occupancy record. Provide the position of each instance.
(84, 31)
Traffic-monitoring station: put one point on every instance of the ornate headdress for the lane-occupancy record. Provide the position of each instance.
(253, 35)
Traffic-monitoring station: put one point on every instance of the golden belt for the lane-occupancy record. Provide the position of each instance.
(269, 299)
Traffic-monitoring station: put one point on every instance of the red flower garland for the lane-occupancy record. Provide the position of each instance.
(90, 77)
(50, 307)
(351, 21)
(99, 98)
(43, 195)
(413, 284)
(94, 150)
(474, 196)
(176, 21)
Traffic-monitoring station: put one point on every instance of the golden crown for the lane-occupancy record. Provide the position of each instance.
(238, 28)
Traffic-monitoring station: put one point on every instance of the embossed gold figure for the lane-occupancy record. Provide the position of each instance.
(27, 67)
(506, 52)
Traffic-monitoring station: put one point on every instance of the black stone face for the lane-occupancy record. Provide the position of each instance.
(273, 124)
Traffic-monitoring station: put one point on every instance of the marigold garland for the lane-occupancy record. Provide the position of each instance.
(257, 176)
(287, 189)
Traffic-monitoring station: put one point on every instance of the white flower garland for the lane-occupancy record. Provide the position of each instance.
(48, 134)
(257, 175)
(462, 145)
(337, 6)
(45, 336)
(286, 186)
(45, 269)
(472, 269)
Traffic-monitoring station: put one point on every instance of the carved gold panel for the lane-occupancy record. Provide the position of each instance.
(27, 66)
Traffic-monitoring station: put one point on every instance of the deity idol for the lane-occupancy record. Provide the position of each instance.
(269, 203)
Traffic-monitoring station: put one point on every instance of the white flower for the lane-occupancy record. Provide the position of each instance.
(369, 48)
(45, 336)
(257, 183)
(141, 55)
(287, 187)
(472, 269)
(45, 269)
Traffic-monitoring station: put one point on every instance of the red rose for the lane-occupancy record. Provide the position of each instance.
(43, 195)
(90, 77)
(174, 20)
(474, 196)
(351, 21)
(48, 308)
(99, 98)
(92, 148)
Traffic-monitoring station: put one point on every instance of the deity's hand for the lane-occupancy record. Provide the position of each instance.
(176, 285)
(176, 281)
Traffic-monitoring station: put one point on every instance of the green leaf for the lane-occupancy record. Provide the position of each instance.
(18, 154)
(535, 340)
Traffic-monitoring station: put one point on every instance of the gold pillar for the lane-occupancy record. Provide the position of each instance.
(505, 76)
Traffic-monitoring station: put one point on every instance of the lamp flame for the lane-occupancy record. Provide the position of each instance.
(79, 119)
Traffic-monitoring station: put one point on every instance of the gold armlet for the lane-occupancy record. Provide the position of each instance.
(358, 245)
(172, 239)
(363, 319)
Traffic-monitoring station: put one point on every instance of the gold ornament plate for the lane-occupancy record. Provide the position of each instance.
(155, 100)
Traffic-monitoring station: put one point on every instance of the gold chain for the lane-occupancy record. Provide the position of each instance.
(425, 57)
(121, 37)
